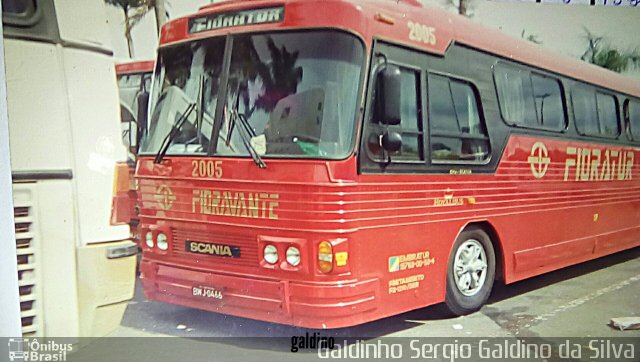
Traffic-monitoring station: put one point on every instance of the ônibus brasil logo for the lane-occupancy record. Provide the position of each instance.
(32, 349)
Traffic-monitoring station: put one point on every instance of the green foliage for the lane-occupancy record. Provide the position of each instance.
(600, 52)
(134, 11)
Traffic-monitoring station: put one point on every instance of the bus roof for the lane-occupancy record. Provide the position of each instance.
(388, 19)
(137, 66)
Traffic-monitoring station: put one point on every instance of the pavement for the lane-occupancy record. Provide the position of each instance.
(577, 301)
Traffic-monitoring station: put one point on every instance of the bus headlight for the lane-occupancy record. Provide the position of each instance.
(270, 254)
(148, 239)
(293, 256)
(161, 241)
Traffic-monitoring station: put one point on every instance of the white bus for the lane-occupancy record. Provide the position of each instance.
(76, 264)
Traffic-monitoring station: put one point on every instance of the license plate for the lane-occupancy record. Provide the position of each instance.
(207, 292)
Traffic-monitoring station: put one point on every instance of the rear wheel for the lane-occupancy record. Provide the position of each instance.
(470, 272)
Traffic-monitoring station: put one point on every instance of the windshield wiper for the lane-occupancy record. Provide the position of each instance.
(246, 134)
(200, 108)
(175, 130)
(198, 105)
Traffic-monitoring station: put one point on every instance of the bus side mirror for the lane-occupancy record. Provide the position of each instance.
(391, 141)
(389, 95)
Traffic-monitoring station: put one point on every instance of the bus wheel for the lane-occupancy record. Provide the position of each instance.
(470, 272)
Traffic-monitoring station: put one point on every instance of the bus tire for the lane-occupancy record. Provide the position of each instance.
(470, 272)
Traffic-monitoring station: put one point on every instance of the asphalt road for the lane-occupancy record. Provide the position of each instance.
(578, 301)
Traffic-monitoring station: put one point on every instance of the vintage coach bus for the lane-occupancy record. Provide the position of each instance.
(328, 163)
(134, 83)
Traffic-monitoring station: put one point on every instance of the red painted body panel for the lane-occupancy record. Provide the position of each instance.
(542, 223)
(548, 209)
(133, 67)
(143, 66)
(134, 221)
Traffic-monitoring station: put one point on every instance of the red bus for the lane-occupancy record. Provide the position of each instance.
(328, 163)
(134, 83)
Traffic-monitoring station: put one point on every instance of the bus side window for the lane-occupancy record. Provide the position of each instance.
(632, 110)
(547, 94)
(515, 96)
(607, 115)
(457, 132)
(584, 111)
(595, 113)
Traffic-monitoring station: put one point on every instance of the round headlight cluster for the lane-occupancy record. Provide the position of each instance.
(148, 239)
(292, 256)
(270, 254)
(160, 240)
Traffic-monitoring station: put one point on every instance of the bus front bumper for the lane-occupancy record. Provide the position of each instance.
(304, 304)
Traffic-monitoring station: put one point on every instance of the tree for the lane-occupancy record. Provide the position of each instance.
(161, 13)
(463, 7)
(160, 9)
(600, 52)
(134, 11)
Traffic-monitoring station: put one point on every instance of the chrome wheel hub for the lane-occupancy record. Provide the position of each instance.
(470, 267)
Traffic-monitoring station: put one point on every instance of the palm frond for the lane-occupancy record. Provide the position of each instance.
(602, 53)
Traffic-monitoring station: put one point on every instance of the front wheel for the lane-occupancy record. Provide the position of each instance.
(470, 272)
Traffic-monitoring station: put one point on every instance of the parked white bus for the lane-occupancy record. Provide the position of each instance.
(76, 264)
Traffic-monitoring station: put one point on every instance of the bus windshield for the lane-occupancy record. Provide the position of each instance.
(287, 94)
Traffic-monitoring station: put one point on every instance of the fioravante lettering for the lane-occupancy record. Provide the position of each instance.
(236, 18)
(256, 205)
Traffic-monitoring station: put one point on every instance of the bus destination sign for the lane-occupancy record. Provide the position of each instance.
(236, 18)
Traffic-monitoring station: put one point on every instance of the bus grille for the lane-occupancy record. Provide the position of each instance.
(248, 247)
(27, 259)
